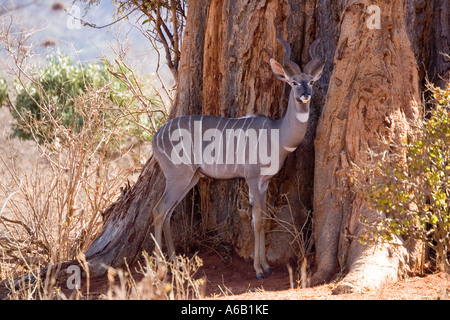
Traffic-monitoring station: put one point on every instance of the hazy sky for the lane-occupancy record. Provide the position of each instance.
(87, 43)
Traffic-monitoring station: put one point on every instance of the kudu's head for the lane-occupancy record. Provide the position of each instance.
(300, 82)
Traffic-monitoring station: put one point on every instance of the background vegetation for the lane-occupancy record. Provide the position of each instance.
(46, 106)
(412, 193)
(90, 124)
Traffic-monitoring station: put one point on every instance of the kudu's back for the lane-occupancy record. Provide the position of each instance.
(221, 148)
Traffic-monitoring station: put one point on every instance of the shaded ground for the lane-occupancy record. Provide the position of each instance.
(236, 280)
(237, 277)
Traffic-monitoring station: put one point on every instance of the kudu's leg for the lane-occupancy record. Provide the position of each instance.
(262, 233)
(257, 193)
(176, 189)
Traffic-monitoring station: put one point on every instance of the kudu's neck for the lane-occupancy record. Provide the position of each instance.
(294, 123)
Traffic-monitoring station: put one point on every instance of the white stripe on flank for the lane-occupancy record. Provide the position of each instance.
(171, 142)
(224, 131)
(248, 126)
(227, 137)
(216, 167)
(302, 117)
(190, 132)
(238, 142)
(225, 125)
(248, 142)
(259, 134)
(232, 152)
(163, 147)
(218, 123)
(183, 142)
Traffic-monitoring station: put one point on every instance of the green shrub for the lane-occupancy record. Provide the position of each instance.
(412, 194)
(60, 100)
(49, 98)
(3, 92)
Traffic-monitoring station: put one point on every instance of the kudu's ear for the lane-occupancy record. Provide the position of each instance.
(317, 72)
(278, 70)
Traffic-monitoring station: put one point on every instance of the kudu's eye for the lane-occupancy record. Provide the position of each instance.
(295, 83)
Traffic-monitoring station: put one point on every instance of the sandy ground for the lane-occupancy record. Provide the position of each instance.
(235, 280)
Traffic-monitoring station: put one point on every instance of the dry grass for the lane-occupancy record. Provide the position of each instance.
(141, 283)
(178, 284)
(50, 210)
(52, 195)
(52, 207)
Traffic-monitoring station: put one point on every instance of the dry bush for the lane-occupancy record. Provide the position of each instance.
(140, 283)
(51, 209)
(55, 210)
(51, 212)
(178, 284)
(411, 193)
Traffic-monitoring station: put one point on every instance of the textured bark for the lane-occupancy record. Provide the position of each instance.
(438, 60)
(189, 86)
(376, 75)
(240, 40)
(429, 31)
(373, 95)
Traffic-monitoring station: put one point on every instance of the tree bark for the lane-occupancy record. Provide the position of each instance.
(240, 40)
(373, 95)
(437, 40)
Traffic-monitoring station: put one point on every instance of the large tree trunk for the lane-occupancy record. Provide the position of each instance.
(373, 95)
(370, 79)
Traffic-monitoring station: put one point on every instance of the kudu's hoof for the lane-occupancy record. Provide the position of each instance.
(260, 276)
